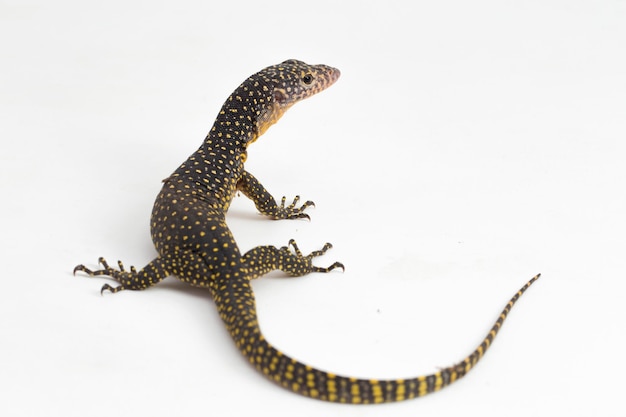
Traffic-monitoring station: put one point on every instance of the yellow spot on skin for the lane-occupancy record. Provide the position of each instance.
(453, 376)
(377, 391)
(422, 387)
(438, 381)
(401, 389)
(310, 380)
(331, 386)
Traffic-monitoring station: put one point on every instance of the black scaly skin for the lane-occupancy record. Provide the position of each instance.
(194, 243)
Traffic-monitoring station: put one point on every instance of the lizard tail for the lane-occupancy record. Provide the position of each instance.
(240, 318)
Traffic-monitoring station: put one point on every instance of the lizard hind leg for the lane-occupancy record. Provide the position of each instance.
(312, 255)
(148, 276)
(264, 259)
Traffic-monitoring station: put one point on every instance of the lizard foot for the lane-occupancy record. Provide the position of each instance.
(117, 274)
(304, 263)
(292, 211)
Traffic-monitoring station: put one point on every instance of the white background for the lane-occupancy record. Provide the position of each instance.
(466, 147)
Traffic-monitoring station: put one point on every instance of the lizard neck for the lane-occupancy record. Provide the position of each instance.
(215, 168)
(212, 172)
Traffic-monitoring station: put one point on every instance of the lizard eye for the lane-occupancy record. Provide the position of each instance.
(307, 79)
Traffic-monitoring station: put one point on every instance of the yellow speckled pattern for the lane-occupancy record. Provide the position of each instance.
(194, 243)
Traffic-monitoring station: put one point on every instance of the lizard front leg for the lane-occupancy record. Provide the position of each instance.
(266, 204)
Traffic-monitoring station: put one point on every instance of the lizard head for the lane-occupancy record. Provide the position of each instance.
(281, 86)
